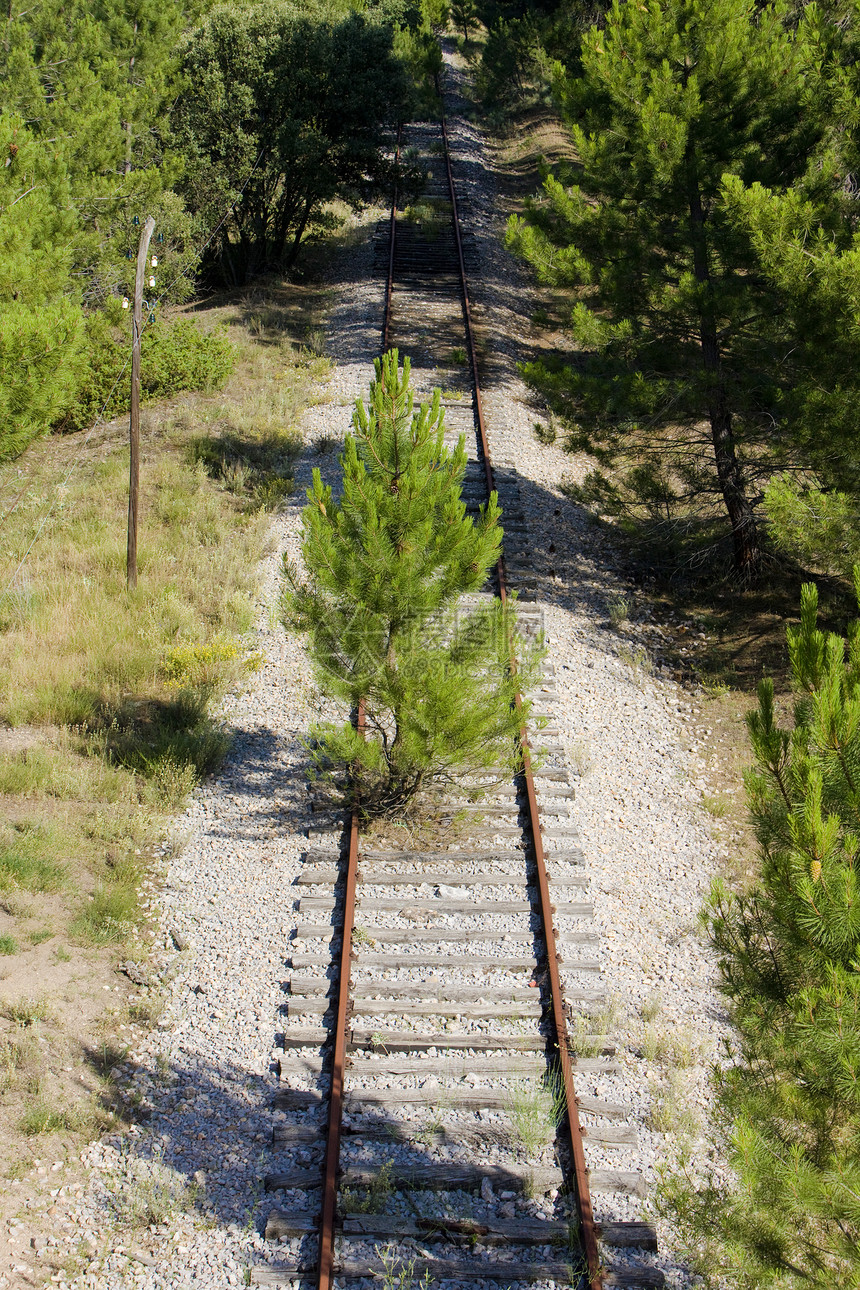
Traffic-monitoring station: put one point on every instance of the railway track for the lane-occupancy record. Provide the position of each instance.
(442, 1047)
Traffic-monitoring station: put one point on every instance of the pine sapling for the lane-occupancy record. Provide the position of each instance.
(789, 953)
(388, 562)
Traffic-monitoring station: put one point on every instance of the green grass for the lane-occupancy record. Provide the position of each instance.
(535, 1109)
(154, 1194)
(651, 1008)
(671, 1110)
(114, 689)
(619, 610)
(17, 1054)
(41, 1117)
(431, 215)
(83, 644)
(28, 857)
(656, 1045)
(156, 736)
(121, 684)
(108, 916)
(716, 806)
(372, 1199)
(545, 434)
(252, 463)
(26, 1011)
(58, 772)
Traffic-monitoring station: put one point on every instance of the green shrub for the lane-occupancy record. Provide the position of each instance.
(40, 354)
(173, 356)
(43, 1118)
(109, 915)
(182, 357)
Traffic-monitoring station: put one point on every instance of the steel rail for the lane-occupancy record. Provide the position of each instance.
(331, 1168)
(580, 1169)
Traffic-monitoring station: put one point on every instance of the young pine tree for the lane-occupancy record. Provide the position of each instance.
(682, 337)
(809, 250)
(388, 562)
(789, 957)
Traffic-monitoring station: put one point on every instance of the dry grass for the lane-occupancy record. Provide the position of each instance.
(80, 644)
(105, 695)
(535, 1110)
(111, 687)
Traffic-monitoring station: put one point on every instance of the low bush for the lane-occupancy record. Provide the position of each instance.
(174, 356)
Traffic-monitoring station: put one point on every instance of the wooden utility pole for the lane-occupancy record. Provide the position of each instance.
(134, 418)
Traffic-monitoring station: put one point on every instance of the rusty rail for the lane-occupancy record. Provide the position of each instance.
(331, 1168)
(580, 1170)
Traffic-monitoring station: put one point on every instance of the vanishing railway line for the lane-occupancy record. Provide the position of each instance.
(437, 1058)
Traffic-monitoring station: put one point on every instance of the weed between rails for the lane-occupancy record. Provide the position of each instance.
(400, 1274)
(536, 1109)
(372, 1199)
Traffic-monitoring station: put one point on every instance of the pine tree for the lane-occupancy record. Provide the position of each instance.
(464, 13)
(41, 324)
(94, 82)
(789, 951)
(84, 153)
(388, 562)
(809, 250)
(681, 334)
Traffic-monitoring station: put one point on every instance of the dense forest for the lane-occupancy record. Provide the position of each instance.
(703, 238)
